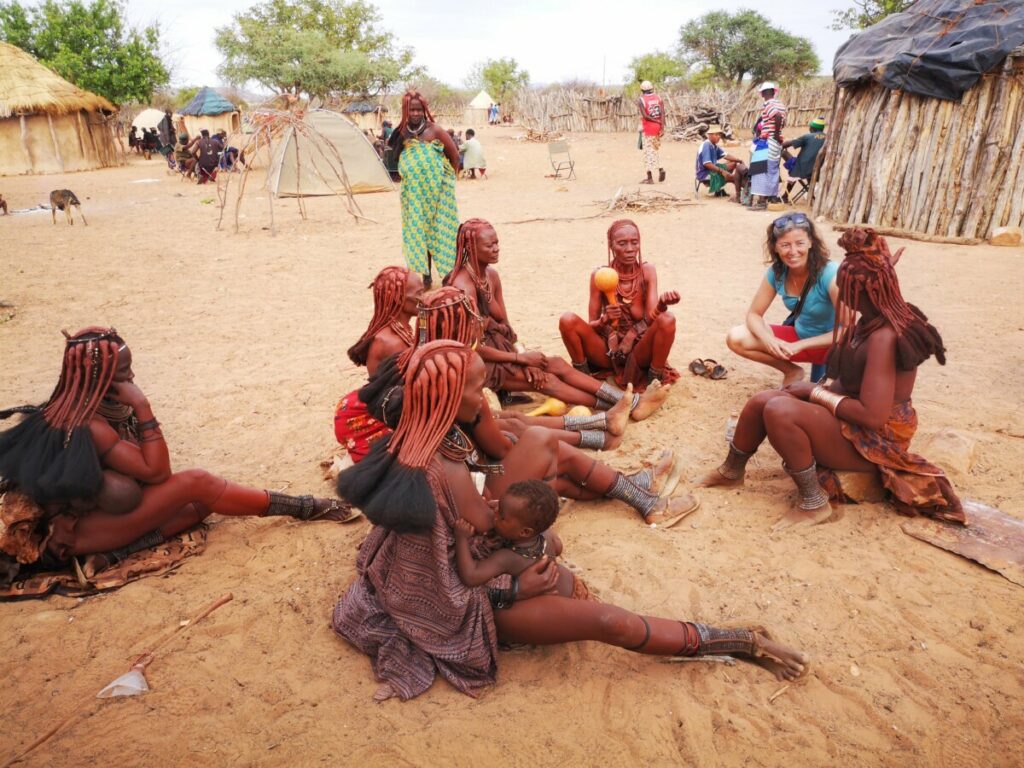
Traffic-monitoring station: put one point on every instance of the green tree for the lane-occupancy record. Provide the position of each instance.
(867, 12)
(88, 44)
(185, 95)
(660, 68)
(313, 47)
(501, 77)
(745, 44)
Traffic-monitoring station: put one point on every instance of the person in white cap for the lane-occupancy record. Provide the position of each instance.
(652, 114)
(767, 154)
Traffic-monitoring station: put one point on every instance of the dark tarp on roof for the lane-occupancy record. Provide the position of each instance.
(362, 107)
(208, 102)
(936, 48)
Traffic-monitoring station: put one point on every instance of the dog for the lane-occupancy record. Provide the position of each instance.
(63, 199)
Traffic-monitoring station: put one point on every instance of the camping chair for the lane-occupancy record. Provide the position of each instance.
(804, 185)
(561, 160)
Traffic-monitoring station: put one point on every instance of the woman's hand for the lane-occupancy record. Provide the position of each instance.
(463, 529)
(540, 578)
(783, 350)
(668, 298)
(533, 359)
(613, 313)
(800, 389)
(128, 392)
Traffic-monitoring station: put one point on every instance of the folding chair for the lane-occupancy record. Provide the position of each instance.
(561, 160)
(804, 186)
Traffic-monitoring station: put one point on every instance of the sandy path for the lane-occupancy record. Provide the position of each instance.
(239, 341)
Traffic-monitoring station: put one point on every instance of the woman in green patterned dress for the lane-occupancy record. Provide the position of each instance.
(428, 162)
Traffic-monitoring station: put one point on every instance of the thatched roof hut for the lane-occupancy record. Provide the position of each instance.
(208, 109)
(927, 127)
(47, 125)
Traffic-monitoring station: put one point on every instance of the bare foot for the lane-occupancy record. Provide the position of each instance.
(661, 470)
(787, 664)
(651, 400)
(611, 442)
(798, 516)
(715, 479)
(794, 374)
(670, 511)
(617, 417)
(335, 510)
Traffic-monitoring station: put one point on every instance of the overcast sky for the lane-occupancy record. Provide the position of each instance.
(554, 40)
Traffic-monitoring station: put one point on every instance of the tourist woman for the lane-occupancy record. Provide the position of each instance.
(93, 462)
(864, 419)
(800, 271)
(408, 609)
(428, 162)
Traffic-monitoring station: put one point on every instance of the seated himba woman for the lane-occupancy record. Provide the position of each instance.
(800, 272)
(523, 521)
(93, 461)
(633, 335)
(396, 292)
(409, 611)
(864, 419)
(507, 369)
(540, 452)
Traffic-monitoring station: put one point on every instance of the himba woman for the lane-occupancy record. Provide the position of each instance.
(428, 162)
(633, 336)
(92, 464)
(509, 369)
(408, 609)
(539, 452)
(864, 420)
(396, 292)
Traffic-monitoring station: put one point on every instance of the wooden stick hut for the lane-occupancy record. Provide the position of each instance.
(927, 128)
(47, 125)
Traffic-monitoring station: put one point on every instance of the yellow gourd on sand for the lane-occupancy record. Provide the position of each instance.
(579, 410)
(550, 407)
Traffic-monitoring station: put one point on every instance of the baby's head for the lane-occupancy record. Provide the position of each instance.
(528, 508)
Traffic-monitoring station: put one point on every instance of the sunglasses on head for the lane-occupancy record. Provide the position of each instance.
(790, 220)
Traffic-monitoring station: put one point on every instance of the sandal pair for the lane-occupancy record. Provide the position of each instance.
(709, 368)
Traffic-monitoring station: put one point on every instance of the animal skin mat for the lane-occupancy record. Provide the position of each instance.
(991, 538)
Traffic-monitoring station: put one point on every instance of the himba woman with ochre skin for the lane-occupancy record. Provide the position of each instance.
(93, 460)
(408, 609)
(429, 163)
(864, 419)
(509, 369)
(632, 336)
(396, 294)
(539, 453)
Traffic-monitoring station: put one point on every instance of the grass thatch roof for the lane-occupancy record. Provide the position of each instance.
(27, 86)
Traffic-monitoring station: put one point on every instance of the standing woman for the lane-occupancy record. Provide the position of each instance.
(428, 162)
(802, 274)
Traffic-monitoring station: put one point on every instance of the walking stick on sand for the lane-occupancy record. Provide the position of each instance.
(130, 684)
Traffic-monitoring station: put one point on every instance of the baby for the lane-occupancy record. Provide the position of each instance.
(526, 512)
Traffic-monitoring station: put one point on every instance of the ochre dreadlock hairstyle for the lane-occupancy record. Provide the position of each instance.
(630, 286)
(388, 298)
(50, 455)
(390, 485)
(466, 257)
(867, 271)
(409, 97)
(447, 313)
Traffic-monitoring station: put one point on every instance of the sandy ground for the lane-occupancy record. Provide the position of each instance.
(239, 341)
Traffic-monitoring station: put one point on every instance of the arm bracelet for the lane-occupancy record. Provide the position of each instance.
(503, 598)
(151, 424)
(827, 398)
